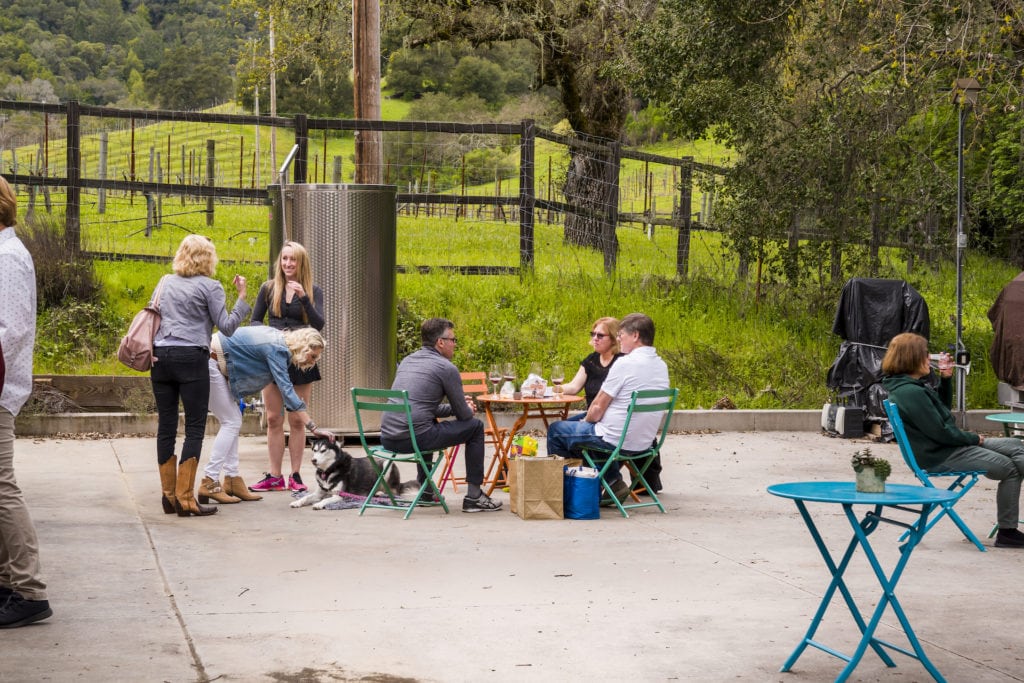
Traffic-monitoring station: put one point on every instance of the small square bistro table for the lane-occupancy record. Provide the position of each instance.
(545, 408)
(919, 502)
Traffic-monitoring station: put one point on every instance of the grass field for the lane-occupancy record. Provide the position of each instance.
(761, 345)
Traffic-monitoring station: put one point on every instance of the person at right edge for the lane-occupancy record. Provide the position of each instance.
(939, 445)
(22, 590)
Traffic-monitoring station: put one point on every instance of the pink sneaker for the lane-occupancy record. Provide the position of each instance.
(269, 483)
(295, 483)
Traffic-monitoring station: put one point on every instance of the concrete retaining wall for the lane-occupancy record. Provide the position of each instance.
(682, 421)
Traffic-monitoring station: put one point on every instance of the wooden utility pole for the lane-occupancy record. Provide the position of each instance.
(366, 83)
(273, 107)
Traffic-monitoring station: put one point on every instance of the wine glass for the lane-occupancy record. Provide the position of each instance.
(495, 376)
(536, 373)
(510, 374)
(557, 377)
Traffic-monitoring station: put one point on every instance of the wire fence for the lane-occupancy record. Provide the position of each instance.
(471, 196)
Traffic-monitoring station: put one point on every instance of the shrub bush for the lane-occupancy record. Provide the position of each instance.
(62, 273)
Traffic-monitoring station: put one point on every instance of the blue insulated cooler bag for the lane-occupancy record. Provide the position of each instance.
(581, 493)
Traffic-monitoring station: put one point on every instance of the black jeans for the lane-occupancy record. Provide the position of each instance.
(181, 373)
(442, 435)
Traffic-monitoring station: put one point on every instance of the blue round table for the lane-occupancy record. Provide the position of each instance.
(1012, 422)
(915, 501)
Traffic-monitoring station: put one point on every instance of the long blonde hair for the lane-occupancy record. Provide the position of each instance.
(303, 275)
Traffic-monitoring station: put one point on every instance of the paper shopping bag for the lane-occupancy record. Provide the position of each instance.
(535, 487)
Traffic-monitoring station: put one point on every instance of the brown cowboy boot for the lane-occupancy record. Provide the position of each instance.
(234, 486)
(208, 489)
(168, 478)
(185, 501)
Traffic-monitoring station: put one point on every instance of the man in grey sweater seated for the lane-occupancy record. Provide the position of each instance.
(430, 377)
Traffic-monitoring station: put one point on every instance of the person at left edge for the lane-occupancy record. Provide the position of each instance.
(22, 590)
(191, 304)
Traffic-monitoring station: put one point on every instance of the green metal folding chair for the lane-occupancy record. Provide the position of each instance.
(394, 401)
(962, 481)
(644, 401)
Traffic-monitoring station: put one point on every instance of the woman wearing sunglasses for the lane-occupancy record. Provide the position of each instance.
(594, 368)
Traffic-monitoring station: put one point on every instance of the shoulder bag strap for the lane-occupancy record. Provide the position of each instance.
(156, 295)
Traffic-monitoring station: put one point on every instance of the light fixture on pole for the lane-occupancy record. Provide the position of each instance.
(965, 94)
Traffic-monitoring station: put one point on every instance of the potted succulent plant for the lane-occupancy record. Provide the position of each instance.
(871, 470)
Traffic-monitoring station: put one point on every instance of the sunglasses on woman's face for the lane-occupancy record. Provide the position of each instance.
(597, 335)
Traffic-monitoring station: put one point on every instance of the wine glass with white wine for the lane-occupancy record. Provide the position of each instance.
(509, 374)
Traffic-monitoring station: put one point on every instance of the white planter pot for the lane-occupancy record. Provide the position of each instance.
(869, 482)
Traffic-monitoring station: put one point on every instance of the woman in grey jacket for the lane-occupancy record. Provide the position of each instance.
(191, 304)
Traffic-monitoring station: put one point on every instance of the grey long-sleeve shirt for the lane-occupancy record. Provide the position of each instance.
(190, 307)
(429, 378)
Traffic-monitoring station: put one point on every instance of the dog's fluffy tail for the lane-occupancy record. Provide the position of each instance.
(411, 486)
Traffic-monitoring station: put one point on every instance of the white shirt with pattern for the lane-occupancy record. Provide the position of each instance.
(17, 319)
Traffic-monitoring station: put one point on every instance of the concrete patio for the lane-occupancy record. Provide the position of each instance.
(721, 588)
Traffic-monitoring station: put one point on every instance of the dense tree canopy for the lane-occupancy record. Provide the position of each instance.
(842, 115)
(578, 41)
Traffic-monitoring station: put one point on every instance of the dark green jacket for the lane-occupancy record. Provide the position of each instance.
(931, 428)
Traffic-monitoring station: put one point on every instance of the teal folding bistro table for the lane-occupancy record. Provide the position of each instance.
(917, 502)
(1012, 423)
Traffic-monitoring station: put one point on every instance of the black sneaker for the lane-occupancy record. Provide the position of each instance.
(621, 489)
(481, 504)
(18, 611)
(1009, 538)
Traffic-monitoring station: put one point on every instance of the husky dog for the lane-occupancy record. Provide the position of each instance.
(338, 471)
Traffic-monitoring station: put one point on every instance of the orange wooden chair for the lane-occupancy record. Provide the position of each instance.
(473, 384)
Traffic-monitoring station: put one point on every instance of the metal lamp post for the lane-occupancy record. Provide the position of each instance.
(965, 94)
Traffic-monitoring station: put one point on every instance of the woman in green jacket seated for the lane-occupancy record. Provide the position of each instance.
(939, 445)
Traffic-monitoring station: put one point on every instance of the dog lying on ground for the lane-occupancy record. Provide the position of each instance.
(338, 471)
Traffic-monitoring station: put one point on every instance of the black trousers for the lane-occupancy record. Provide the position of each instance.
(181, 373)
(442, 435)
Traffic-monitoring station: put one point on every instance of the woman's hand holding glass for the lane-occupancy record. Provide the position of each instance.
(557, 377)
(946, 365)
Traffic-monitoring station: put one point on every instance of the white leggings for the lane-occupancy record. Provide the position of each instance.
(225, 445)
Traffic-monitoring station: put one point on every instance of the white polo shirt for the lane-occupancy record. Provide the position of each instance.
(641, 368)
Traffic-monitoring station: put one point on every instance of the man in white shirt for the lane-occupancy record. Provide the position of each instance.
(22, 591)
(641, 368)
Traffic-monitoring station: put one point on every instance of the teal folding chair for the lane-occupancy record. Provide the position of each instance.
(394, 401)
(643, 401)
(962, 481)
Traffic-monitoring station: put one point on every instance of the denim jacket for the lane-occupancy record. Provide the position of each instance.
(257, 356)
